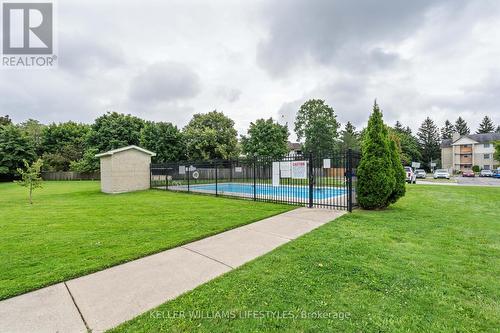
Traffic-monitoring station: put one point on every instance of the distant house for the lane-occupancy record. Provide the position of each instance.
(294, 148)
(462, 152)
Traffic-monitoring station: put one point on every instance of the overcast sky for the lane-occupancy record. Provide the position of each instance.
(166, 60)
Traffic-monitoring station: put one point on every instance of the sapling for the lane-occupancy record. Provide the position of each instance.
(30, 176)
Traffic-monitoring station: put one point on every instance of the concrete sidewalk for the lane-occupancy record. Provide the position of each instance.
(105, 299)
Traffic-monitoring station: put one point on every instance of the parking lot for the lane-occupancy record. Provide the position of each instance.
(478, 181)
(472, 181)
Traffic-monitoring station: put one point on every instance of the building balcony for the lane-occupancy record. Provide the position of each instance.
(465, 151)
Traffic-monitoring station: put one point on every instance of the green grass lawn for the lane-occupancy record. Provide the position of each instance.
(72, 229)
(430, 263)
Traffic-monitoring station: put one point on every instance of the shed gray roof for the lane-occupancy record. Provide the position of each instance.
(294, 146)
(481, 138)
(118, 150)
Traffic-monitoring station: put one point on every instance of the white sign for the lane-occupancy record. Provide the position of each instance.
(285, 170)
(299, 169)
(327, 164)
(433, 165)
(415, 164)
(276, 173)
(196, 174)
(182, 169)
(238, 169)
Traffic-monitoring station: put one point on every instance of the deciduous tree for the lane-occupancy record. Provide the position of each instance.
(30, 176)
(407, 143)
(496, 154)
(317, 124)
(33, 129)
(399, 189)
(265, 138)
(88, 163)
(63, 143)
(14, 148)
(165, 139)
(211, 136)
(114, 130)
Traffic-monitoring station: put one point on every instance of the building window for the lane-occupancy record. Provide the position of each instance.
(486, 156)
(486, 145)
(486, 167)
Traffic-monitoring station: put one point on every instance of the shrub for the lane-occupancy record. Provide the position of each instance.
(376, 179)
(476, 168)
(399, 173)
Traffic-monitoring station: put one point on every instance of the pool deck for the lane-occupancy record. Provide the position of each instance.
(103, 300)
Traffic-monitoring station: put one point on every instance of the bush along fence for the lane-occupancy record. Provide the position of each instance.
(313, 181)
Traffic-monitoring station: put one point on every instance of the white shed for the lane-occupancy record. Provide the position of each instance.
(125, 169)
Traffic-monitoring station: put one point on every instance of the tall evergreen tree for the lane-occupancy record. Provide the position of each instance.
(498, 129)
(486, 126)
(376, 179)
(428, 139)
(461, 126)
(398, 127)
(447, 130)
(349, 138)
(5, 120)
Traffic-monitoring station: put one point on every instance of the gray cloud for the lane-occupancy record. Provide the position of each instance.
(82, 55)
(165, 82)
(347, 96)
(229, 94)
(256, 58)
(325, 30)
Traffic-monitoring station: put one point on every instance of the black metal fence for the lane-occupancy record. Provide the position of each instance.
(313, 181)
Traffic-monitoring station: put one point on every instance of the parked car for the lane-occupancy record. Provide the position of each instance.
(420, 173)
(486, 173)
(468, 173)
(441, 173)
(411, 177)
(496, 174)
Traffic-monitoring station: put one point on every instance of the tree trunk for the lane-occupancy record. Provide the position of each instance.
(31, 190)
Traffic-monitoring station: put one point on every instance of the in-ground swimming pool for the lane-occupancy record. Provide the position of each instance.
(282, 191)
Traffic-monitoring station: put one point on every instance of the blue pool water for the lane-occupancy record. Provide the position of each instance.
(298, 192)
